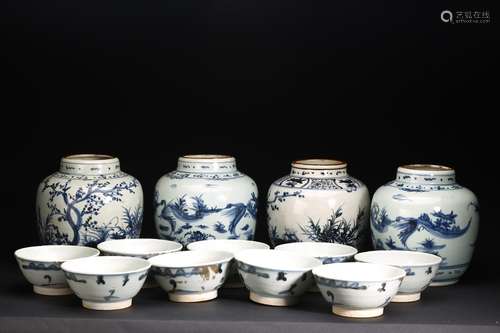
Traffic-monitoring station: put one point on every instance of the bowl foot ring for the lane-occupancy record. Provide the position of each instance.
(357, 313)
(107, 306)
(191, 297)
(274, 301)
(50, 291)
(405, 298)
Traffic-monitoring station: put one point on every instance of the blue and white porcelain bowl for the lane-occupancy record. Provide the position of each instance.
(141, 248)
(420, 269)
(191, 276)
(230, 245)
(275, 278)
(327, 253)
(108, 282)
(41, 266)
(358, 290)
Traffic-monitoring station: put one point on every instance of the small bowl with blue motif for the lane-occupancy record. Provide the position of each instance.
(41, 266)
(191, 276)
(229, 245)
(420, 269)
(276, 278)
(141, 248)
(107, 282)
(358, 290)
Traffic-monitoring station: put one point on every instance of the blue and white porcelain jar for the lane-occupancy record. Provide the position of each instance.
(424, 209)
(318, 201)
(89, 200)
(205, 198)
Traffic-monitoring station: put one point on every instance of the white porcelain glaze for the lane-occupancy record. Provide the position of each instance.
(420, 269)
(139, 247)
(318, 201)
(41, 266)
(424, 209)
(191, 276)
(358, 289)
(205, 198)
(88, 201)
(275, 278)
(107, 282)
(327, 253)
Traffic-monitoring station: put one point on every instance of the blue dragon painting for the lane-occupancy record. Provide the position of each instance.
(439, 224)
(189, 219)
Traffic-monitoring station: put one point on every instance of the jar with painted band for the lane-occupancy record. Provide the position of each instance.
(89, 200)
(318, 201)
(425, 209)
(206, 197)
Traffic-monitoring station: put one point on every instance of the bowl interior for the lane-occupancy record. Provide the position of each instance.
(230, 245)
(139, 246)
(277, 260)
(356, 271)
(106, 265)
(398, 258)
(317, 249)
(190, 258)
(55, 253)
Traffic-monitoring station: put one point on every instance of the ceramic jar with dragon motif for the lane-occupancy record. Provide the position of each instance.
(89, 200)
(318, 201)
(424, 209)
(205, 198)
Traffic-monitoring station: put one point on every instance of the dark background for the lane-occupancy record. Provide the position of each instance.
(375, 83)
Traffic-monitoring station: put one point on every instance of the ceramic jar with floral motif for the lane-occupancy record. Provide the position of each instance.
(89, 200)
(206, 197)
(318, 201)
(424, 209)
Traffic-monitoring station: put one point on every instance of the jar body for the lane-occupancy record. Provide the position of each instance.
(427, 211)
(89, 201)
(205, 198)
(323, 205)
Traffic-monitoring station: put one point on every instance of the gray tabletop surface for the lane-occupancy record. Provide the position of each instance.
(470, 306)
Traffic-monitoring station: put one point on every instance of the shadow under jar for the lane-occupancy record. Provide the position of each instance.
(424, 209)
(89, 200)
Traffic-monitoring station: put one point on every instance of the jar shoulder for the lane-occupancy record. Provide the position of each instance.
(347, 184)
(207, 181)
(458, 193)
(77, 181)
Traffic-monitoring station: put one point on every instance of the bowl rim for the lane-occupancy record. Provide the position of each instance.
(226, 257)
(241, 241)
(138, 270)
(21, 257)
(305, 269)
(130, 253)
(437, 259)
(401, 275)
(353, 252)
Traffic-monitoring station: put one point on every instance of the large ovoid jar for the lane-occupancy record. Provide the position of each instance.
(205, 198)
(318, 201)
(424, 209)
(89, 200)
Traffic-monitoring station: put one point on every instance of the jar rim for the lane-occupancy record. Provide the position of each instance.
(426, 168)
(319, 163)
